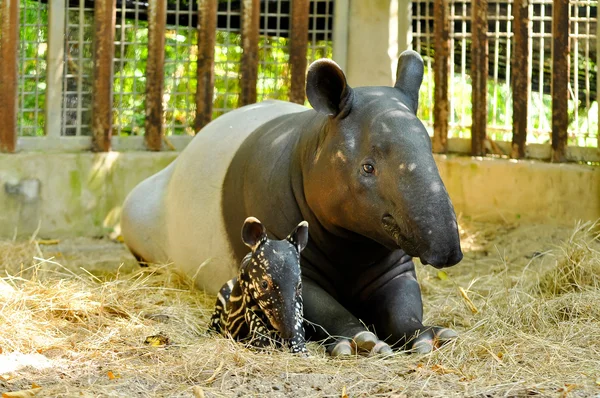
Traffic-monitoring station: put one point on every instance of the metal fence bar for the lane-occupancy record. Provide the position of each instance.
(157, 17)
(441, 65)
(298, 46)
(207, 27)
(104, 34)
(479, 74)
(560, 79)
(55, 68)
(249, 62)
(521, 77)
(9, 37)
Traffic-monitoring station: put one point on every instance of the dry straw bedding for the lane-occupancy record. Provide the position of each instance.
(526, 302)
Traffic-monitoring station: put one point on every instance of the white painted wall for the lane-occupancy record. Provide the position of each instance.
(377, 31)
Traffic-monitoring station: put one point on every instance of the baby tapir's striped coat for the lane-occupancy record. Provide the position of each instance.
(263, 304)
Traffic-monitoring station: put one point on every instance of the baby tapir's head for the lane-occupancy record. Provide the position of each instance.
(273, 274)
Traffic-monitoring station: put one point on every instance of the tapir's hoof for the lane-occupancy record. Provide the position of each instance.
(382, 348)
(364, 341)
(422, 346)
(444, 335)
(341, 349)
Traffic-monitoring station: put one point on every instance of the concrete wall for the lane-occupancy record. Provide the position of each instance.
(69, 194)
(527, 191)
(81, 194)
(378, 31)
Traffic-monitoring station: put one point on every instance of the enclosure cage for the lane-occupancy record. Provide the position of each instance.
(519, 70)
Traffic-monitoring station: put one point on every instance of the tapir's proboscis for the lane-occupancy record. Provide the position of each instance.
(358, 167)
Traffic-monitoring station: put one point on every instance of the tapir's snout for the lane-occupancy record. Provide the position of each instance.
(442, 260)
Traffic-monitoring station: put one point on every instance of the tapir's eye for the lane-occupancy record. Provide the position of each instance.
(368, 168)
(264, 284)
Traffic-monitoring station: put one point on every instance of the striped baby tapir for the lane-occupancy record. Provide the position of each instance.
(262, 305)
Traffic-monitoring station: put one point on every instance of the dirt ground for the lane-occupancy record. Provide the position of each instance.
(77, 314)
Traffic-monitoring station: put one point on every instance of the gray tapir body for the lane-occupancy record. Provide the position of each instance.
(358, 168)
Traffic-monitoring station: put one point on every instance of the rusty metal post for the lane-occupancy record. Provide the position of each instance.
(104, 35)
(479, 74)
(155, 74)
(441, 71)
(9, 39)
(207, 29)
(249, 62)
(298, 47)
(560, 79)
(520, 77)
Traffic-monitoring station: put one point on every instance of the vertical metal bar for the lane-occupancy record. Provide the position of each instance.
(479, 73)
(560, 79)
(155, 74)
(298, 46)
(521, 76)
(441, 65)
(104, 35)
(341, 12)
(9, 39)
(55, 68)
(207, 28)
(249, 62)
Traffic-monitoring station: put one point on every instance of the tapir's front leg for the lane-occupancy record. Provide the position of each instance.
(396, 311)
(328, 320)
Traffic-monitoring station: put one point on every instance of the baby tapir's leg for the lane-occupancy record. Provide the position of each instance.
(260, 333)
(218, 320)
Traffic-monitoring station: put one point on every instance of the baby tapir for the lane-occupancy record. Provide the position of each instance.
(263, 304)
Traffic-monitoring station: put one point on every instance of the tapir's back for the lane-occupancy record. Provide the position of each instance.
(187, 206)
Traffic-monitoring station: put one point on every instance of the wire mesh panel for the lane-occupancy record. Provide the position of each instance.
(583, 129)
(77, 94)
(460, 83)
(422, 29)
(320, 29)
(181, 53)
(583, 112)
(273, 54)
(33, 44)
(499, 50)
(129, 69)
(228, 53)
(540, 120)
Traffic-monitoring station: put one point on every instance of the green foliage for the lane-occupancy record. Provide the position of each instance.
(583, 130)
(33, 36)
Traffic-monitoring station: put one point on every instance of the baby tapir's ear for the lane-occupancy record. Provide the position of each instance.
(253, 233)
(409, 77)
(299, 236)
(327, 89)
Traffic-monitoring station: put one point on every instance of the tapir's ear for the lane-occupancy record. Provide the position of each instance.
(327, 89)
(409, 77)
(299, 236)
(253, 233)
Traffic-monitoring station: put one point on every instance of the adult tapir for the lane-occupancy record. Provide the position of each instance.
(358, 167)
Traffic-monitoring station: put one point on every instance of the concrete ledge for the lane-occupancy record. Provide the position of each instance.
(80, 194)
(495, 190)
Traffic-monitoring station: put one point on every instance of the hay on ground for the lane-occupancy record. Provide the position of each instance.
(535, 330)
